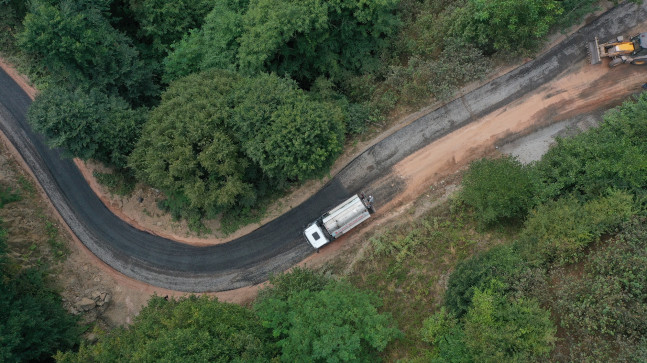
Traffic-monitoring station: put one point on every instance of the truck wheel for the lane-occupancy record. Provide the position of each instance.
(640, 62)
(615, 62)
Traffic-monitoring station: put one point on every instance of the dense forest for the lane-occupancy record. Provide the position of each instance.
(222, 103)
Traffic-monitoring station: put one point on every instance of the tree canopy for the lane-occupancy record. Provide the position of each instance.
(87, 123)
(336, 322)
(300, 39)
(164, 22)
(193, 329)
(505, 25)
(186, 146)
(213, 131)
(289, 135)
(214, 45)
(78, 45)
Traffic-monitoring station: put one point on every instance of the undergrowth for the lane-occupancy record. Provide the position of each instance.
(408, 266)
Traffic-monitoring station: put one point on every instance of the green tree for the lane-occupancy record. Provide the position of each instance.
(87, 123)
(501, 330)
(187, 149)
(217, 139)
(307, 39)
(505, 25)
(11, 14)
(333, 323)
(287, 134)
(299, 39)
(192, 329)
(446, 335)
(164, 22)
(501, 262)
(78, 46)
(499, 190)
(614, 155)
(215, 45)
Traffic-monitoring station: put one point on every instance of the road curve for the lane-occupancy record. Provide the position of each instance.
(279, 244)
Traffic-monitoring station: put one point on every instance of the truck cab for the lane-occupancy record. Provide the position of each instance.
(315, 235)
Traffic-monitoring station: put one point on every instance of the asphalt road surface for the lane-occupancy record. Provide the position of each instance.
(279, 244)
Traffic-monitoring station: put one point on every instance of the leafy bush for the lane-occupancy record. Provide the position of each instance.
(314, 319)
(422, 78)
(500, 330)
(559, 231)
(505, 25)
(179, 206)
(575, 11)
(284, 285)
(499, 190)
(501, 263)
(495, 328)
(611, 298)
(87, 123)
(191, 329)
(604, 308)
(614, 155)
(447, 336)
(7, 195)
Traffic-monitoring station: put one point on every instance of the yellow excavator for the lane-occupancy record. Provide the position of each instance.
(633, 51)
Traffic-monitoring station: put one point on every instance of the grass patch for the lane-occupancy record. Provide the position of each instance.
(8, 195)
(58, 247)
(408, 267)
(26, 186)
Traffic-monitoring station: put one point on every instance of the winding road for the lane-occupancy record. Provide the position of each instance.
(279, 244)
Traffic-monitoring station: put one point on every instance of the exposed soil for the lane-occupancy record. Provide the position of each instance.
(430, 176)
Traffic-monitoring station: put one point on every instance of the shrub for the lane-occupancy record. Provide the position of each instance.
(611, 298)
(505, 25)
(501, 330)
(559, 231)
(613, 155)
(314, 319)
(496, 328)
(120, 182)
(604, 308)
(499, 190)
(191, 329)
(500, 262)
(282, 286)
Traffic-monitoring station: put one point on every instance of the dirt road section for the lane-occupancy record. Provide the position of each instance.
(580, 91)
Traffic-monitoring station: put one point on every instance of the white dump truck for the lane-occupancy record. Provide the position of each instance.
(339, 220)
